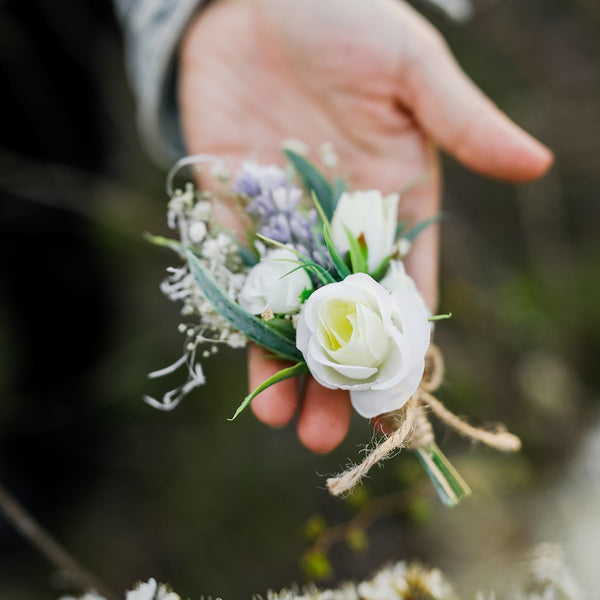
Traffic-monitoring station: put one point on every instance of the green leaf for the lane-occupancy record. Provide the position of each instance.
(339, 187)
(357, 540)
(381, 270)
(268, 240)
(412, 233)
(322, 274)
(282, 326)
(297, 369)
(316, 565)
(326, 220)
(357, 257)
(440, 317)
(159, 240)
(248, 257)
(305, 295)
(313, 181)
(314, 526)
(252, 327)
(338, 262)
(400, 227)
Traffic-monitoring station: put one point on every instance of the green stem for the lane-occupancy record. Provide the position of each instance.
(448, 483)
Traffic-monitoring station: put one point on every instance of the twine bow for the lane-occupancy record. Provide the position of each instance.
(410, 428)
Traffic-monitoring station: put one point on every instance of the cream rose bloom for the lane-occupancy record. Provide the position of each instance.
(368, 214)
(357, 336)
(268, 284)
(397, 278)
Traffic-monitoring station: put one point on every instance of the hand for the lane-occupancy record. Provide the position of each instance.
(375, 79)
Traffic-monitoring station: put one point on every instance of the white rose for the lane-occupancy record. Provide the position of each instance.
(397, 278)
(268, 284)
(368, 214)
(355, 335)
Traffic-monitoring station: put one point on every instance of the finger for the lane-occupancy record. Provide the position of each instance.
(422, 261)
(324, 417)
(461, 119)
(277, 404)
(396, 171)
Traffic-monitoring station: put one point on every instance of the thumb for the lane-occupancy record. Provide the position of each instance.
(457, 116)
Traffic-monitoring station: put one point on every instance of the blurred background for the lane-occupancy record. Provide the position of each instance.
(234, 509)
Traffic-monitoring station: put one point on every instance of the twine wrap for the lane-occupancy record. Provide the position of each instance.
(410, 428)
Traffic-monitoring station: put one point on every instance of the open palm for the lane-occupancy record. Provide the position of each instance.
(376, 80)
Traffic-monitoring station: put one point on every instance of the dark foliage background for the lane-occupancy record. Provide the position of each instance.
(220, 509)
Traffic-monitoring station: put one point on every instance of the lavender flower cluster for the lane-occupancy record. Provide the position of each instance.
(274, 204)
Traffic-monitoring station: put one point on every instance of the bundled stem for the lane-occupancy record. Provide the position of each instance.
(410, 428)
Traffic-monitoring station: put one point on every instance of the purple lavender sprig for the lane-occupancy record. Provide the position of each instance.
(274, 205)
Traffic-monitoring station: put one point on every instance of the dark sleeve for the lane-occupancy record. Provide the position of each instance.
(152, 31)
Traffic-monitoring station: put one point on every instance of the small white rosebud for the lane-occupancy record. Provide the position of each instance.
(182, 327)
(367, 214)
(214, 349)
(274, 284)
(205, 354)
(190, 346)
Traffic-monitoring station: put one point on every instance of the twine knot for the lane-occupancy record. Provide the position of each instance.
(409, 427)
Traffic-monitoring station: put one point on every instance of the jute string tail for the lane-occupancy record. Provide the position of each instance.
(410, 427)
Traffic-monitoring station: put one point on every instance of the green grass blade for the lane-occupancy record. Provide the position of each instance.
(159, 240)
(297, 369)
(281, 245)
(338, 262)
(440, 317)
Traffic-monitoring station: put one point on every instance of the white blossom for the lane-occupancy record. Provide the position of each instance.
(355, 335)
(369, 215)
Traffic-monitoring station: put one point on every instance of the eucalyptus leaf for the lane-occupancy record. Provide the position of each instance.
(314, 181)
(297, 369)
(252, 327)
